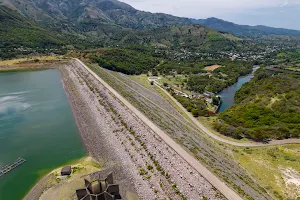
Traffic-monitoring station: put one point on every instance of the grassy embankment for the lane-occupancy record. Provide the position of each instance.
(142, 80)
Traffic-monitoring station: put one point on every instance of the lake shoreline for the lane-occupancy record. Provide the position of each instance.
(27, 94)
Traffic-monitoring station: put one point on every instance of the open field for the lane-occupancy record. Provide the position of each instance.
(276, 168)
(177, 82)
(212, 67)
(210, 153)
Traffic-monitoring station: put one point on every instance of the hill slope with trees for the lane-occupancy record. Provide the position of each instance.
(18, 32)
(267, 108)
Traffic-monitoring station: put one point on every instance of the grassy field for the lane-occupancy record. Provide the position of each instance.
(276, 168)
(177, 82)
(141, 79)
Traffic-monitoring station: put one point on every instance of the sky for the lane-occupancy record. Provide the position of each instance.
(275, 13)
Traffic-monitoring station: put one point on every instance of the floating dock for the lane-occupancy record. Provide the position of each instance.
(9, 168)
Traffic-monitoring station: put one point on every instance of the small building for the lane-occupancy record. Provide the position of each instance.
(65, 171)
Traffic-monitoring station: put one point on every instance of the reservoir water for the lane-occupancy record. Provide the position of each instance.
(227, 95)
(36, 123)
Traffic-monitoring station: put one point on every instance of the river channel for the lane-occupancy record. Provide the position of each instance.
(227, 95)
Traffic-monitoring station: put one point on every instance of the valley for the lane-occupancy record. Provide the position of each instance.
(143, 105)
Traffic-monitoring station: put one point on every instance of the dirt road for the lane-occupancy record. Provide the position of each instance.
(215, 181)
(211, 134)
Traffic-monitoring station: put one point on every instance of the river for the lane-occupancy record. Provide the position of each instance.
(227, 95)
(36, 123)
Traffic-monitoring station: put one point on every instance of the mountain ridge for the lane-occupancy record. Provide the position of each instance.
(68, 16)
(245, 30)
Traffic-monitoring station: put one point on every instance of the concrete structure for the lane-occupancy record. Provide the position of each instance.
(99, 190)
(65, 171)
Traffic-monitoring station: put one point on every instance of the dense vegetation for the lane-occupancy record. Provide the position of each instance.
(220, 78)
(17, 33)
(21, 36)
(197, 107)
(126, 61)
(268, 108)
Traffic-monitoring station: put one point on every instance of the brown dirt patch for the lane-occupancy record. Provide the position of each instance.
(212, 67)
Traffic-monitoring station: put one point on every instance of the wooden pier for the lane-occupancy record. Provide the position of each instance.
(9, 168)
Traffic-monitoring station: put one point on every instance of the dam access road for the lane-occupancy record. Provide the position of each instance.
(209, 176)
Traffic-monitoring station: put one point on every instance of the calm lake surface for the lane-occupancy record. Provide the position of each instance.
(36, 123)
(227, 95)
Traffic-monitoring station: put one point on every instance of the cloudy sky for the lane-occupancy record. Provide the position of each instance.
(276, 13)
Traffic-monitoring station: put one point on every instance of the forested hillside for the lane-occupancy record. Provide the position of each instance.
(17, 32)
(98, 18)
(267, 107)
(126, 61)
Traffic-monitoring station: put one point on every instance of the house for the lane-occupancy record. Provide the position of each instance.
(65, 171)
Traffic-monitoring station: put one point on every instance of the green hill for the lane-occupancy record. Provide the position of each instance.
(196, 37)
(19, 34)
(91, 17)
(267, 108)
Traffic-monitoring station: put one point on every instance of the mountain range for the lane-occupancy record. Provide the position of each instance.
(245, 30)
(105, 22)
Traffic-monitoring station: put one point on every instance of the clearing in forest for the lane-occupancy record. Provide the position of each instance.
(212, 67)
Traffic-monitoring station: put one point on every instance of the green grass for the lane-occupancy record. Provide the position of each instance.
(176, 82)
(267, 165)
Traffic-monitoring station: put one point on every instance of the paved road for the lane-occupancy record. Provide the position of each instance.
(210, 177)
(211, 134)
